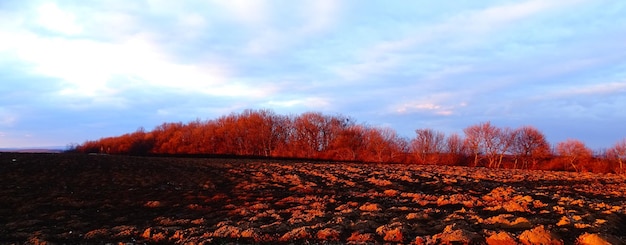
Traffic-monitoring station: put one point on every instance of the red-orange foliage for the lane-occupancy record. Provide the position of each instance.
(349, 144)
(485, 142)
(428, 146)
(618, 154)
(530, 146)
(455, 150)
(384, 145)
(314, 135)
(573, 153)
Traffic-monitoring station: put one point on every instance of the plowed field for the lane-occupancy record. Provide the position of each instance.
(64, 198)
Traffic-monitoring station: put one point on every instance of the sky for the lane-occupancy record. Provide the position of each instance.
(72, 71)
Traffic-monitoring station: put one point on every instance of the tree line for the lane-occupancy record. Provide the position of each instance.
(313, 135)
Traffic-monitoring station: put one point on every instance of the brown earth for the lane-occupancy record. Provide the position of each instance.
(64, 198)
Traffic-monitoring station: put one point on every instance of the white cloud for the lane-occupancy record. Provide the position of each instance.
(250, 13)
(436, 103)
(457, 33)
(570, 65)
(82, 64)
(94, 74)
(309, 102)
(51, 17)
(279, 27)
(265, 42)
(98, 24)
(320, 15)
(497, 16)
(86, 66)
(482, 22)
(601, 89)
(193, 25)
(101, 71)
(367, 68)
(428, 107)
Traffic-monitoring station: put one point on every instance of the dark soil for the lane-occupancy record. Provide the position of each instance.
(98, 199)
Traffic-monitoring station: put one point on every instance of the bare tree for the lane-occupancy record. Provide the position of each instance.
(454, 144)
(504, 141)
(454, 149)
(529, 145)
(574, 152)
(618, 152)
(309, 138)
(428, 145)
(349, 143)
(384, 144)
(473, 142)
(482, 141)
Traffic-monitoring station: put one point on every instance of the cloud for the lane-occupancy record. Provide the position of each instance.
(596, 89)
(583, 91)
(311, 103)
(51, 17)
(86, 67)
(95, 70)
(498, 16)
(320, 15)
(437, 109)
(440, 104)
(455, 34)
(250, 13)
(307, 19)
(157, 60)
(575, 102)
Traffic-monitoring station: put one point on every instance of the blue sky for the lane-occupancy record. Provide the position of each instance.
(72, 71)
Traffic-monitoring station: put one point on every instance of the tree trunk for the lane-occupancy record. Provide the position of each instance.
(574, 165)
(476, 160)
